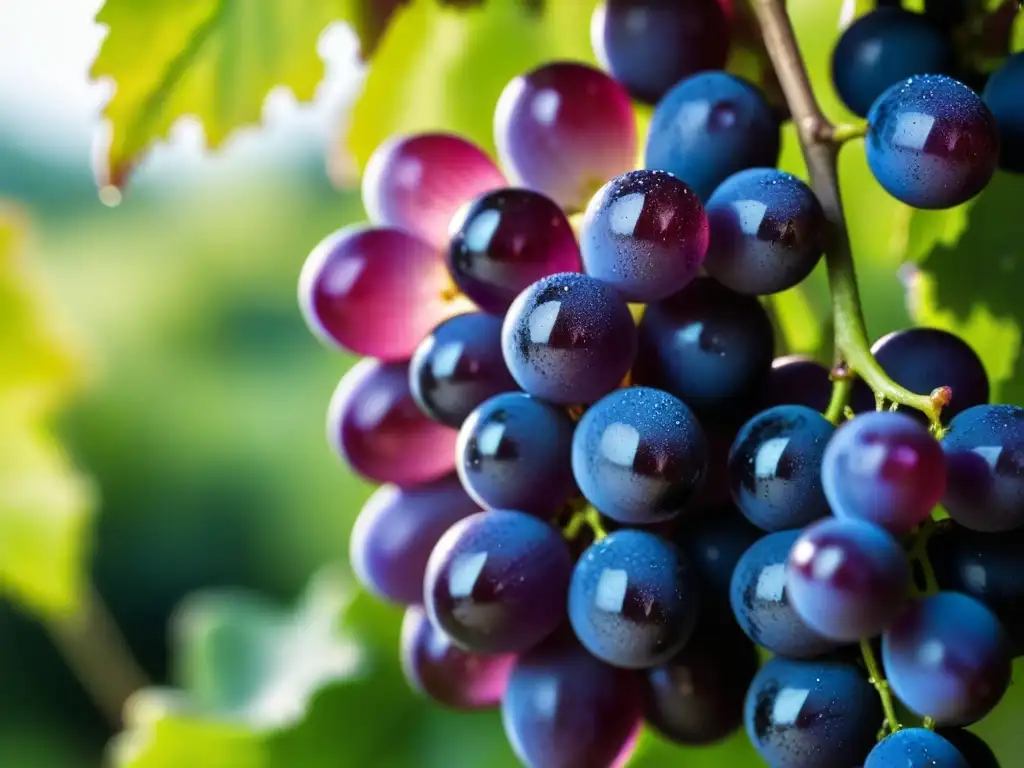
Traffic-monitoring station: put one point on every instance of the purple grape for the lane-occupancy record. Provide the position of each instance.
(847, 579)
(650, 45)
(458, 366)
(418, 182)
(977, 753)
(915, 746)
(924, 359)
(506, 240)
(376, 426)
(454, 678)
(515, 452)
(565, 709)
(497, 582)
(645, 234)
(639, 456)
(569, 338)
(1002, 95)
(799, 380)
(396, 531)
(563, 129)
(374, 291)
(885, 468)
(947, 657)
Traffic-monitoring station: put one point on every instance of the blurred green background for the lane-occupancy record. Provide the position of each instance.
(202, 423)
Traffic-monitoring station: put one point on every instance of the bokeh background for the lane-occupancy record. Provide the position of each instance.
(202, 419)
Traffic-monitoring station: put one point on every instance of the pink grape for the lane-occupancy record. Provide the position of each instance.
(376, 426)
(418, 182)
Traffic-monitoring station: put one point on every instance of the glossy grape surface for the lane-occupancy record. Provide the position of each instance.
(775, 467)
(374, 291)
(708, 127)
(915, 746)
(563, 130)
(375, 425)
(569, 338)
(1002, 95)
(515, 452)
(947, 657)
(396, 530)
(454, 678)
(645, 233)
(639, 455)
(418, 182)
(506, 240)
(885, 468)
(932, 142)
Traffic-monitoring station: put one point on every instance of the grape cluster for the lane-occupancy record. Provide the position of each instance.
(604, 498)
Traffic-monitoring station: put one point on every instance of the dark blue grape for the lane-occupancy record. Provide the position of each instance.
(812, 713)
(650, 45)
(847, 579)
(452, 677)
(397, 529)
(707, 345)
(947, 13)
(924, 359)
(506, 240)
(639, 455)
(885, 468)
(708, 127)
(633, 599)
(885, 47)
(971, 746)
(932, 142)
(565, 709)
(984, 450)
(775, 467)
(645, 233)
(458, 366)
(761, 604)
(947, 657)
(913, 747)
(569, 338)
(515, 452)
(767, 231)
(799, 380)
(497, 582)
(697, 697)
(1002, 95)
(988, 567)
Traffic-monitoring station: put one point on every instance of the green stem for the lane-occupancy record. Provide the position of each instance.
(918, 552)
(841, 388)
(877, 679)
(845, 132)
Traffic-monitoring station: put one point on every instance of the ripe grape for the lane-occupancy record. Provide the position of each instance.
(775, 467)
(884, 47)
(812, 713)
(563, 130)
(885, 468)
(924, 359)
(799, 380)
(497, 581)
(397, 529)
(947, 657)
(984, 450)
(569, 339)
(977, 753)
(506, 240)
(645, 233)
(633, 599)
(707, 345)
(563, 708)
(847, 579)
(376, 426)
(932, 142)
(650, 45)
(374, 291)
(767, 231)
(915, 746)
(1002, 95)
(761, 603)
(418, 182)
(454, 678)
(708, 127)
(639, 455)
(515, 452)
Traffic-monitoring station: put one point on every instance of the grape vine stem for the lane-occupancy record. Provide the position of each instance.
(877, 679)
(820, 141)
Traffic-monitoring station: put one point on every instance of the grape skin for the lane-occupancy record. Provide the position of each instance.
(800, 380)
(1002, 95)
(915, 746)
(977, 753)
